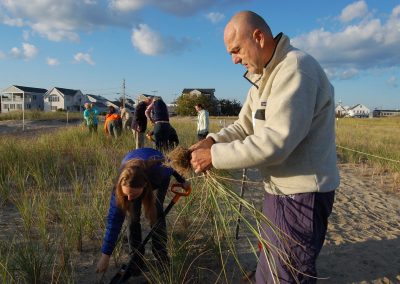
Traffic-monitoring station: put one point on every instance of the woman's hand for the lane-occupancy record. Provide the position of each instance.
(102, 265)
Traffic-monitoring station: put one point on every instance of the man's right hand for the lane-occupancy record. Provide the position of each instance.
(102, 265)
(202, 144)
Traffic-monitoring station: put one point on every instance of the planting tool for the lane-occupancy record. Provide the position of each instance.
(125, 272)
(244, 178)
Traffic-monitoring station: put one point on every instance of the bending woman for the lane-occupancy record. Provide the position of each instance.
(142, 173)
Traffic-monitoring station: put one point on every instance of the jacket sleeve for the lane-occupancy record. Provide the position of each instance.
(288, 116)
(240, 129)
(115, 219)
(148, 111)
(178, 177)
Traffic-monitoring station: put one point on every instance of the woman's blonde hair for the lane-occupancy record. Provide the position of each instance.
(134, 174)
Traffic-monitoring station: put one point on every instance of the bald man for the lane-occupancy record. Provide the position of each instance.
(286, 130)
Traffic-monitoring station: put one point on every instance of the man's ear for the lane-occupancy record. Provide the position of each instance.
(258, 36)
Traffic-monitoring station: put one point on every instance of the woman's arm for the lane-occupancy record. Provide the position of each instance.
(115, 219)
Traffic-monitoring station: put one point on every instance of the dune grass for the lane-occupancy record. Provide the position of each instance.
(59, 185)
(372, 142)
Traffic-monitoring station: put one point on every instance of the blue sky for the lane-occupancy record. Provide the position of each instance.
(163, 46)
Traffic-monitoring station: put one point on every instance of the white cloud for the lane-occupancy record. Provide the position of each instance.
(215, 17)
(16, 52)
(127, 5)
(52, 61)
(83, 57)
(65, 20)
(27, 51)
(90, 2)
(57, 20)
(371, 43)
(150, 42)
(392, 81)
(147, 41)
(353, 11)
(14, 22)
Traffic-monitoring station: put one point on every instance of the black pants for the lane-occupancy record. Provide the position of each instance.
(201, 135)
(159, 237)
(161, 136)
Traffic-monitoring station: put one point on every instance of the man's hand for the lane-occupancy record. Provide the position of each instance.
(201, 155)
(201, 160)
(202, 144)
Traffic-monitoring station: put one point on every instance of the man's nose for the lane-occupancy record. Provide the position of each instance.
(236, 59)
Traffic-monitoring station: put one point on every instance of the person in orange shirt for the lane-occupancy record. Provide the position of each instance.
(113, 123)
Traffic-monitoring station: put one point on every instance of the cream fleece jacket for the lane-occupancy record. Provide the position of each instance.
(202, 121)
(285, 127)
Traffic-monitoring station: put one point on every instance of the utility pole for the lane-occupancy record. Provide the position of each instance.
(123, 93)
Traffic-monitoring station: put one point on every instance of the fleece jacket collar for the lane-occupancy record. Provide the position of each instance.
(281, 49)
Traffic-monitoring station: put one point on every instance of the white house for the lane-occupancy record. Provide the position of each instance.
(340, 110)
(206, 92)
(99, 102)
(17, 98)
(198, 92)
(358, 110)
(65, 99)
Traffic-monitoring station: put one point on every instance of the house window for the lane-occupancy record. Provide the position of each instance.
(34, 97)
(19, 106)
(12, 106)
(54, 98)
(6, 106)
(54, 108)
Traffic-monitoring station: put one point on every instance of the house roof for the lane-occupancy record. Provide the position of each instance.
(67, 92)
(204, 91)
(30, 89)
(387, 110)
(100, 104)
(97, 97)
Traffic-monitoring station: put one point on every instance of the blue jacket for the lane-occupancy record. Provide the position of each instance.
(159, 176)
(90, 115)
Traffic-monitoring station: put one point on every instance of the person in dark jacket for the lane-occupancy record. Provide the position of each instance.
(157, 112)
(141, 173)
(139, 121)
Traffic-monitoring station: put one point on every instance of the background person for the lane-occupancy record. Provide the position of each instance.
(157, 112)
(139, 121)
(113, 122)
(126, 117)
(202, 121)
(141, 173)
(285, 129)
(90, 115)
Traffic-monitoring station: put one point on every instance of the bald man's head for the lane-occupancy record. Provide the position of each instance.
(249, 40)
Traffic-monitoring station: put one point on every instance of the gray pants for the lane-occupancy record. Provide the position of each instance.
(114, 128)
(302, 219)
(139, 139)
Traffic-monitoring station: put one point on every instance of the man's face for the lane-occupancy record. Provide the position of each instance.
(197, 108)
(244, 50)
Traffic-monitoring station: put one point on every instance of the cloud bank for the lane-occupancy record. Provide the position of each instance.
(369, 43)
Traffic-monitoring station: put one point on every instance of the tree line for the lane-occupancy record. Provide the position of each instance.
(185, 105)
